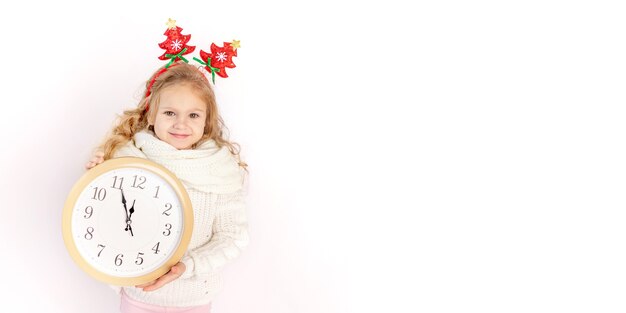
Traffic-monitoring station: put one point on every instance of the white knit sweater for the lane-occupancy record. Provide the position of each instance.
(214, 181)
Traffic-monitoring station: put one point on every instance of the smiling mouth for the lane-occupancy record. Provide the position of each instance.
(179, 136)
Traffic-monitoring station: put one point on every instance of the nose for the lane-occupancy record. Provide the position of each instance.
(181, 122)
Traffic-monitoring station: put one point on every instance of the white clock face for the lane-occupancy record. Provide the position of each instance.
(127, 222)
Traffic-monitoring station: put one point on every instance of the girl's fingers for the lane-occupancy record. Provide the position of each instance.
(175, 272)
(146, 284)
(93, 162)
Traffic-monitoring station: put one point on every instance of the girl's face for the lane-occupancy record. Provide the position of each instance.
(181, 116)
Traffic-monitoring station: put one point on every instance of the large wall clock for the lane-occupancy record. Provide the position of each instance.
(127, 221)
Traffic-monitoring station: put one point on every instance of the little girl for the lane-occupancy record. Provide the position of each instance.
(177, 125)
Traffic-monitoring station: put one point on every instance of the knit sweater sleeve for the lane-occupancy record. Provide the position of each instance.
(229, 237)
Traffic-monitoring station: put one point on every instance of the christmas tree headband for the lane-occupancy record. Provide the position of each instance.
(176, 48)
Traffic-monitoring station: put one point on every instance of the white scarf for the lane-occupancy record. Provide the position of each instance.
(206, 168)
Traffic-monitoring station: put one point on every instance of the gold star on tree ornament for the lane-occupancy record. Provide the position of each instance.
(171, 24)
(235, 44)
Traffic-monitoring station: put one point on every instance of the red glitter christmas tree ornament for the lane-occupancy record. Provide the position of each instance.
(219, 58)
(175, 45)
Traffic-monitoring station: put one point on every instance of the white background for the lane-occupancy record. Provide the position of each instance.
(448, 156)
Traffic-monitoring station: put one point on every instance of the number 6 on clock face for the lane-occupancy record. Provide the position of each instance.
(127, 221)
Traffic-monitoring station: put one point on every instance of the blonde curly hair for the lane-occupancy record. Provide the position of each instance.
(137, 119)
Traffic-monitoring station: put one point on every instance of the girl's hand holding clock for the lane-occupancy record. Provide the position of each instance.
(176, 271)
(98, 158)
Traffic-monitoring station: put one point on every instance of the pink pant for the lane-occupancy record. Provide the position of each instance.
(128, 305)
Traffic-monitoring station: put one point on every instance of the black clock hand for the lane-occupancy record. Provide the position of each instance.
(126, 211)
(132, 210)
(128, 227)
(128, 221)
(124, 203)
